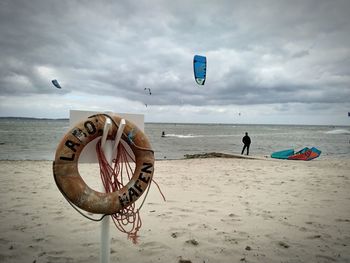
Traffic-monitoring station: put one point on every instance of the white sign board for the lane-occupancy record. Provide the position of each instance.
(88, 154)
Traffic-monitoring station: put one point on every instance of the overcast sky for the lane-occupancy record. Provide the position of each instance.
(280, 62)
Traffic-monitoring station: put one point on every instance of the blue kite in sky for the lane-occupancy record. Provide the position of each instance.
(200, 69)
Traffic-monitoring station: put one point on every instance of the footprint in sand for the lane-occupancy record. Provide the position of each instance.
(165, 215)
(324, 258)
(56, 252)
(232, 240)
(184, 260)
(59, 259)
(314, 237)
(232, 218)
(153, 248)
(283, 244)
(182, 209)
(303, 229)
(40, 239)
(88, 244)
(342, 220)
(174, 235)
(192, 242)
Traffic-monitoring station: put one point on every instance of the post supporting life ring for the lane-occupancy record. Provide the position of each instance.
(73, 187)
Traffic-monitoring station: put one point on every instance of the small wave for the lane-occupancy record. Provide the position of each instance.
(338, 131)
(197, 135)
(184, 136)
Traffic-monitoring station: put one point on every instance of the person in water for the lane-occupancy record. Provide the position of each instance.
(163, 134)
(246, 141)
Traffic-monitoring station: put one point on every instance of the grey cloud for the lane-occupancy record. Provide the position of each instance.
(301, 54)
(120, 47)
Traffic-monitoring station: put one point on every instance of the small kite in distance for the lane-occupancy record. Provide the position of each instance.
(56, 84)
(149, 90)
(200, 69)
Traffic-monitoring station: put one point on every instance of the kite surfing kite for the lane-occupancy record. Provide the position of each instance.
(148, 90)
(305, 154)
(148, 93)
(200, 69)
(56, 84)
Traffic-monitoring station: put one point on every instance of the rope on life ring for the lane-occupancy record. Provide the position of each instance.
(73, 187)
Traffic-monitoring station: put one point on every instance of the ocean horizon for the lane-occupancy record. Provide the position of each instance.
(27, 138)
(190, 123)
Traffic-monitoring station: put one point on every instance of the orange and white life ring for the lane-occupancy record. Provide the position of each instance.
(73, 187)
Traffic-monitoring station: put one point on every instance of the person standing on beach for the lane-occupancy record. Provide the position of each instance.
(246, 141)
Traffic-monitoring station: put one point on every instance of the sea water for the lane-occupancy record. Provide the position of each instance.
(37, 139)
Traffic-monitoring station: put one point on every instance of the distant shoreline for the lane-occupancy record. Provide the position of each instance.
(184, 123)
(33, 118)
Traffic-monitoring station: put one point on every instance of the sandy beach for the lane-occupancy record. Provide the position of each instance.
(216, 210)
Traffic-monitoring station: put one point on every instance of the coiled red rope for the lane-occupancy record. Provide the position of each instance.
(127, 220)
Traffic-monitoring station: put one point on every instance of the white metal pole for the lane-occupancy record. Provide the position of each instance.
(105, 237)
(110, 154)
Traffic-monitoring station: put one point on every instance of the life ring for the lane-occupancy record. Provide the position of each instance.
(73, 187)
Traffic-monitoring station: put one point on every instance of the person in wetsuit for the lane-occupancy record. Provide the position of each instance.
(246, 141)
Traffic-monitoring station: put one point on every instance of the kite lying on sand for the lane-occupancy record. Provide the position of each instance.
(304, 154)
